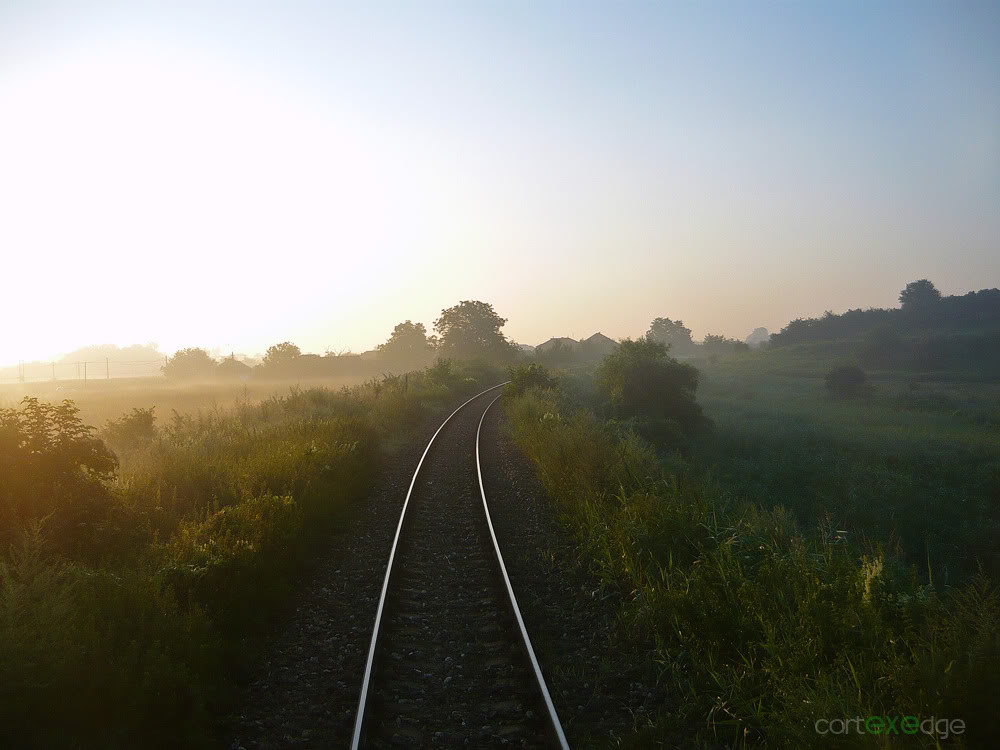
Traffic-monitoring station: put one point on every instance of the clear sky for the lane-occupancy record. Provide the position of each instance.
(235, 174)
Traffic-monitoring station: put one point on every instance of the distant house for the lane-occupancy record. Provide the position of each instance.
(598, 345)
(232, 369)
(560, 342)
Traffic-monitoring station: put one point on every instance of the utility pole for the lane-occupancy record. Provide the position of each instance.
(84, 374)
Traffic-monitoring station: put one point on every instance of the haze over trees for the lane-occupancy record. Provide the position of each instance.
(190, 363)
(471, 330)
(408, 348)
(673, 333)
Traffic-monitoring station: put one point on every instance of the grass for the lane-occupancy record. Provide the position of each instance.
(100, 400)
(805, 559)
(135, 586)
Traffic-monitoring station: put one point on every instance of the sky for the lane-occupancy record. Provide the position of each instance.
(231, 175)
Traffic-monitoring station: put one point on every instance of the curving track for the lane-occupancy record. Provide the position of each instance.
(450, 663)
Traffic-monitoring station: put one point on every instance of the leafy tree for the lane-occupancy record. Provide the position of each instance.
(641, 382)
(919, 296)
(408, 347)
(673, 333)
(845, 381)
(281, 356)
(471, 330)
(189, 363)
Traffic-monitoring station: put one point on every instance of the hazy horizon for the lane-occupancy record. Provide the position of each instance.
(234, 175)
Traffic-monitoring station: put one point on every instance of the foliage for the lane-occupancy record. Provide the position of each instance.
(408, 348)
(923, 310)
(641, 382)
(189, 363)
(532, 375)
(281, 357)
(846, 381)
(137, 426)
(919, 296)
(672, 333)
(130, 596)
(717, 344)
(471, 330)
(52, 467)
(762, 626)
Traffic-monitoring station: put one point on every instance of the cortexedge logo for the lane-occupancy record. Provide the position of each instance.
(940, 728)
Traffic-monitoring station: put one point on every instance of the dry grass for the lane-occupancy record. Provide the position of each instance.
(101, 400)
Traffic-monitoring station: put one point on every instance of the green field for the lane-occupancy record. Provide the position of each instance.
(805, 557)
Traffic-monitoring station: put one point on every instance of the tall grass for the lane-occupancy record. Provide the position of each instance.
(129, 626)
(760, 623)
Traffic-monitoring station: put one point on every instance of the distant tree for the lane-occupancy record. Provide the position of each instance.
(759, 337)
(673, 333)
(471, 330)
(919, 296)
(281, 356)
(845, 381)
(718, 344)
(642, 383)
(408, 348)
(189, 363)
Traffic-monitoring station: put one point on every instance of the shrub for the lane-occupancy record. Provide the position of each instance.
(639, 380)
(846, 381)
(138, 426)
(528, 376)
(52, 467)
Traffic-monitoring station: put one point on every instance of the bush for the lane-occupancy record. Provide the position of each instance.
(138, 426)
(52, 467)
(528, 376)
(846, 381)
(640, 381)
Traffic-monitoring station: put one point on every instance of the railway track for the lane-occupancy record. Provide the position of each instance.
(450, 663)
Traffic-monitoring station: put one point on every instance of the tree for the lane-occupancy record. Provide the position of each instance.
(189, 363)
(471, 330)
(408, 348)
(642, 383)
(719, 344)
(919, 296)
(673, 333)
(281, 356)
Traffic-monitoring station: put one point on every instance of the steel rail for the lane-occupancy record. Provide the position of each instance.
(554, 724)
(359, 720)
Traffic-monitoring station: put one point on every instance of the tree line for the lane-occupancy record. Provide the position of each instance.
(470, 330)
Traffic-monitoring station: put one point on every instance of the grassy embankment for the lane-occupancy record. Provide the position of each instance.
(807, 558)
(136, 584)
